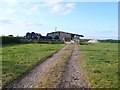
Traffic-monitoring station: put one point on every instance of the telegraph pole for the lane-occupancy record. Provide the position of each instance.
(55, 29)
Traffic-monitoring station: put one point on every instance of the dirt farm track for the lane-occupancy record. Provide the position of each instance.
(61, 70)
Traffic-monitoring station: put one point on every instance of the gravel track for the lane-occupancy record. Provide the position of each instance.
(73, 76)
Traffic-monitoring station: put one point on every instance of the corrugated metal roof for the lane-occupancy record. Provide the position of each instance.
(67, 33)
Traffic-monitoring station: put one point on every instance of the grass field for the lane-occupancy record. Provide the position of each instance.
(100, 62)
(16, 59)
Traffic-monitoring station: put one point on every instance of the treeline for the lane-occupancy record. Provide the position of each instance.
(19, 40)
(110, 41)
(10, 39)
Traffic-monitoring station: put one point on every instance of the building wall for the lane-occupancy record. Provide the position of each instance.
(53, 34)
(62, 35)
(65, 36)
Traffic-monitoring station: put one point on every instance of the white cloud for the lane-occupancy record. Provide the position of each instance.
(9, 11)
(52, 2)
(70, 5)
(62, 8)
(19, 22)
(27, 3)
(35, 9)
(23, 22)
(57, 6)
(28, 23)
(53, 6)
(10, 1)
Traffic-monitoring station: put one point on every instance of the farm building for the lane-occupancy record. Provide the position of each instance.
(64, 36)
(54, 36)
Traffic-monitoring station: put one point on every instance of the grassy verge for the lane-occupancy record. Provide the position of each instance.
(17, 59)
(52, 78)
(100, 62)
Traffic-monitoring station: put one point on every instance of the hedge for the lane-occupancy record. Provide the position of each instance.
(10, 40)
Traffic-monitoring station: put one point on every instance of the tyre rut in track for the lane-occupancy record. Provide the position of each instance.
(73, 76)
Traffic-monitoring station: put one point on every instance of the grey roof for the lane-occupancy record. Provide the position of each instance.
(67, 33)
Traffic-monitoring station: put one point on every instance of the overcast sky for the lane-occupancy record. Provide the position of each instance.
(95, 20)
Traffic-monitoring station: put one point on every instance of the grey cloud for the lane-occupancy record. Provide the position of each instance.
(5, 21)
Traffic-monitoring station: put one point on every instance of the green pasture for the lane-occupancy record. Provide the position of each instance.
(100, 62)
(17, 59)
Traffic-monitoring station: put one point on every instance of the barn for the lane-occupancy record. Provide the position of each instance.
(64, 36)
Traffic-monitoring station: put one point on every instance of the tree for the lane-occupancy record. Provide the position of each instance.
(28, 35)
(10, 35)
